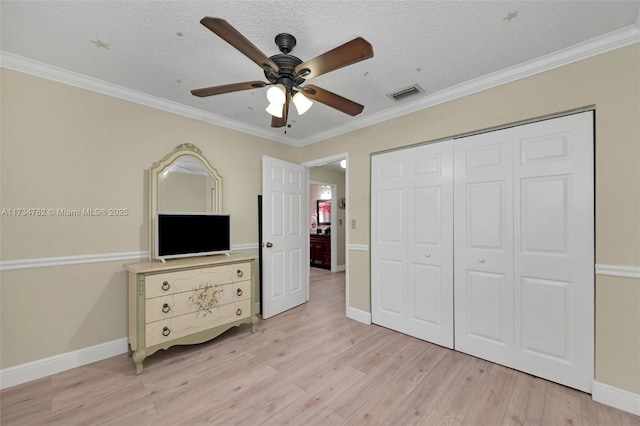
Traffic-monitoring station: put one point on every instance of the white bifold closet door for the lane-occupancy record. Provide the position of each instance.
(524, 248)
(412, 242)
(493, 233)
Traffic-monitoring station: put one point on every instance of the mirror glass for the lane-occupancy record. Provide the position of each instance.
(183, 182)
(324, 212)
(187, 186)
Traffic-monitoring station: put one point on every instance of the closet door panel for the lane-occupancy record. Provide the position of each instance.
(430, 244)
(524, 248)
(554, 254)
(483, 222)
(412, 245)
(388, 240)
(486, 309)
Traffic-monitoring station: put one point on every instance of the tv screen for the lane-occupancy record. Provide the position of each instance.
(192, 234)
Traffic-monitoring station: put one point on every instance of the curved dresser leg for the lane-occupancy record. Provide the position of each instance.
(138, 357)
(254, 324)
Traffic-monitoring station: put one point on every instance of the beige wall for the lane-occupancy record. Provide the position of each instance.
(64, 147)
(611, 83)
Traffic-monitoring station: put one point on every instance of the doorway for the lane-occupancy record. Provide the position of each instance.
(332, 172)
(325, 221)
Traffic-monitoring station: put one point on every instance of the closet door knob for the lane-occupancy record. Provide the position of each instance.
(481, 259)
(427, 255)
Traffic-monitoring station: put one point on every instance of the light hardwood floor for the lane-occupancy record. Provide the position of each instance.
(308, 366)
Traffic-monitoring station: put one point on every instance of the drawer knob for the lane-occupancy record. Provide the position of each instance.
(239, 312)
(166, 331)
(240, 273)
(166, 308)
(239, 292)
(165, 286)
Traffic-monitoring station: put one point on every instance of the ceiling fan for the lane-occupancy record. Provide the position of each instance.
(286, 73)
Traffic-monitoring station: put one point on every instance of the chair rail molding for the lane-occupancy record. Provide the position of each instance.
(618, 270)
(45, 262)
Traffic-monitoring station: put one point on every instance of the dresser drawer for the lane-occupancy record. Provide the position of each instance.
(186, 302)
(177, 282)
(172, 328)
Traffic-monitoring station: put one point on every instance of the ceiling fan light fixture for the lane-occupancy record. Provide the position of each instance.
(286, 73)
(275, 110)
(302, 103)
(277, 94)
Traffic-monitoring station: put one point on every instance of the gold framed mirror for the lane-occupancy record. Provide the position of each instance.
(183, 181)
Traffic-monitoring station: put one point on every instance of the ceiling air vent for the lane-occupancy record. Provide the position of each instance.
(406, 92)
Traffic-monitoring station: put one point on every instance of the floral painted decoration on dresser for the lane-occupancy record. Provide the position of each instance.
(205, 298)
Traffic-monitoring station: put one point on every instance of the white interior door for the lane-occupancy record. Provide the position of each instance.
(483, 222)
(412, 244)
(284, 236)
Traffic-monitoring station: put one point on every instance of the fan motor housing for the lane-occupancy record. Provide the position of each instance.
(286, 62)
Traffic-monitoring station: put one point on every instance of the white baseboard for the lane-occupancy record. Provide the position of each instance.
(617, 398)
(340, 268)
(358, 315)
(34, 370)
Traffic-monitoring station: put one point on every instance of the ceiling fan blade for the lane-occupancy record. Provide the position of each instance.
(235, 87)
(232, 36)
(349, 53)
(331, 99)
(281, 122)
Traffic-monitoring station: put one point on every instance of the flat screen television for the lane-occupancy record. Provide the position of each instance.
(192, 234)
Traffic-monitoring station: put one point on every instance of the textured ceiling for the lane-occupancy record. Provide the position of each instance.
(157, 51)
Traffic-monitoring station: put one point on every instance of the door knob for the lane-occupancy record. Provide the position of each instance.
(481, 259)
(269, 245)
(427, 255)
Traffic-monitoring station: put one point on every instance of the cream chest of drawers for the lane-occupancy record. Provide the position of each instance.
(188, 301)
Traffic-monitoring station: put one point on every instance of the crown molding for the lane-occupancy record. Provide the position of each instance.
(611, 41)
(60, 75)
(578, 52)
